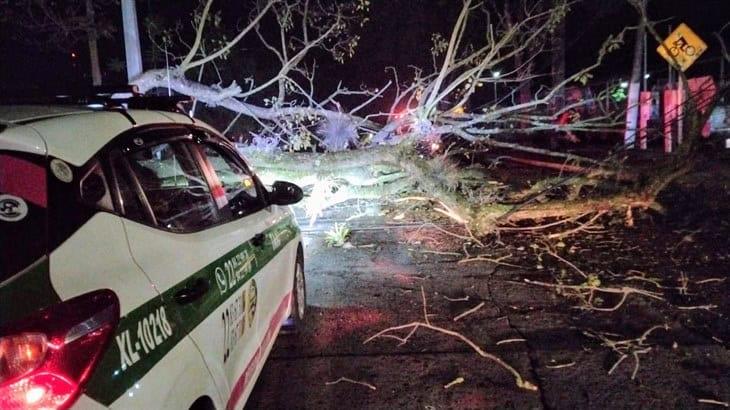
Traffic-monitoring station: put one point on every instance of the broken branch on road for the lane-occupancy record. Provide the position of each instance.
(414, 326)
(627, 347)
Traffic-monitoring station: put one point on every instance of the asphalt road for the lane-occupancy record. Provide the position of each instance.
(356, 292)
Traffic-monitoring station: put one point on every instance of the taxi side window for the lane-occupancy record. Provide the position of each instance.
(166, 182)
(129, 194)
(235, 190)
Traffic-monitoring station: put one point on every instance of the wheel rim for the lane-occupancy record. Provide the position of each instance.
(301, 296)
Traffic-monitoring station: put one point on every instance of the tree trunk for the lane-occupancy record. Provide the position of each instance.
(525, 89)
(390, 170)
(93, 48)
(525, 95)
(558, 54)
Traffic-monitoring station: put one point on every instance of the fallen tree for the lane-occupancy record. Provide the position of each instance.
(360, 153)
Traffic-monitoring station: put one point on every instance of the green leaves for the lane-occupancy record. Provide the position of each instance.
(337, 236)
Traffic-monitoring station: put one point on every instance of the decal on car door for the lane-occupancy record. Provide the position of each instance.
(238, 317)
(142, 341)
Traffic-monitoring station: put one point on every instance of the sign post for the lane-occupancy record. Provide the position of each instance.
(645, 106)
(681, 49)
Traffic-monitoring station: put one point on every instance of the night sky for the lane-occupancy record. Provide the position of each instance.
(398, 35)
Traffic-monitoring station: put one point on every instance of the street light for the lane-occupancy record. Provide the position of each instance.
(495, 75)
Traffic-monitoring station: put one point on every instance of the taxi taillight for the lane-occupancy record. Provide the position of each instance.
(46, 358)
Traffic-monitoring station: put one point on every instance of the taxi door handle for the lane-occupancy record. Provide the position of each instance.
(192, 291)
(258, 240)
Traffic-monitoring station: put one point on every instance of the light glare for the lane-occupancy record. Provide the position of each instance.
(34, 395)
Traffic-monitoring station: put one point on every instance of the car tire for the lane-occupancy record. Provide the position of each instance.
(299, 296)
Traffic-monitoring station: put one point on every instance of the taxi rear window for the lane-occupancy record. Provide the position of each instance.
(23, 211)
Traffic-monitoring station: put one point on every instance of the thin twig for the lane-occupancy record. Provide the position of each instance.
(484, 258)
(464, 299)
(581, 290)
(454, 382)
(582, 227)
(700, 282)
(425, 311)
(469, 312)
(628, 347)
(715, 402)
(348, 380)
(560, 366)
(521, 383)
(700, 307)
(515, 340)
(413, 326)
(539, 227)
(440, 253)
(565, 261)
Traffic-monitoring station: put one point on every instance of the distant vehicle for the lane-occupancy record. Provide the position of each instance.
(142, 263)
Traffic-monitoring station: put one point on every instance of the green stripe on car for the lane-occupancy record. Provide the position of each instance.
(146, 334)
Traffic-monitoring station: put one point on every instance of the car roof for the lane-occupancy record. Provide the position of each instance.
(75, 134)
(19, 114)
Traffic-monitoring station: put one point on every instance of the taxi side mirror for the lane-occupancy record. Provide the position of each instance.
(285, 193)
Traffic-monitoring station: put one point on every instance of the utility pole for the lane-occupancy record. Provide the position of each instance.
(92, 36)
(645, 73)
(632, 110)
(722, 76)
(131, 39)
(670, 74)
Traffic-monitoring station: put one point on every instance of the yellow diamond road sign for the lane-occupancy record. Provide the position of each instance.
(682, 48)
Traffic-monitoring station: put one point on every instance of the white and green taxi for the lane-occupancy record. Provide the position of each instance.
(143, 265)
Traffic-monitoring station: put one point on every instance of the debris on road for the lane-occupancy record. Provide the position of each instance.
(348, 380)
(454, 382)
